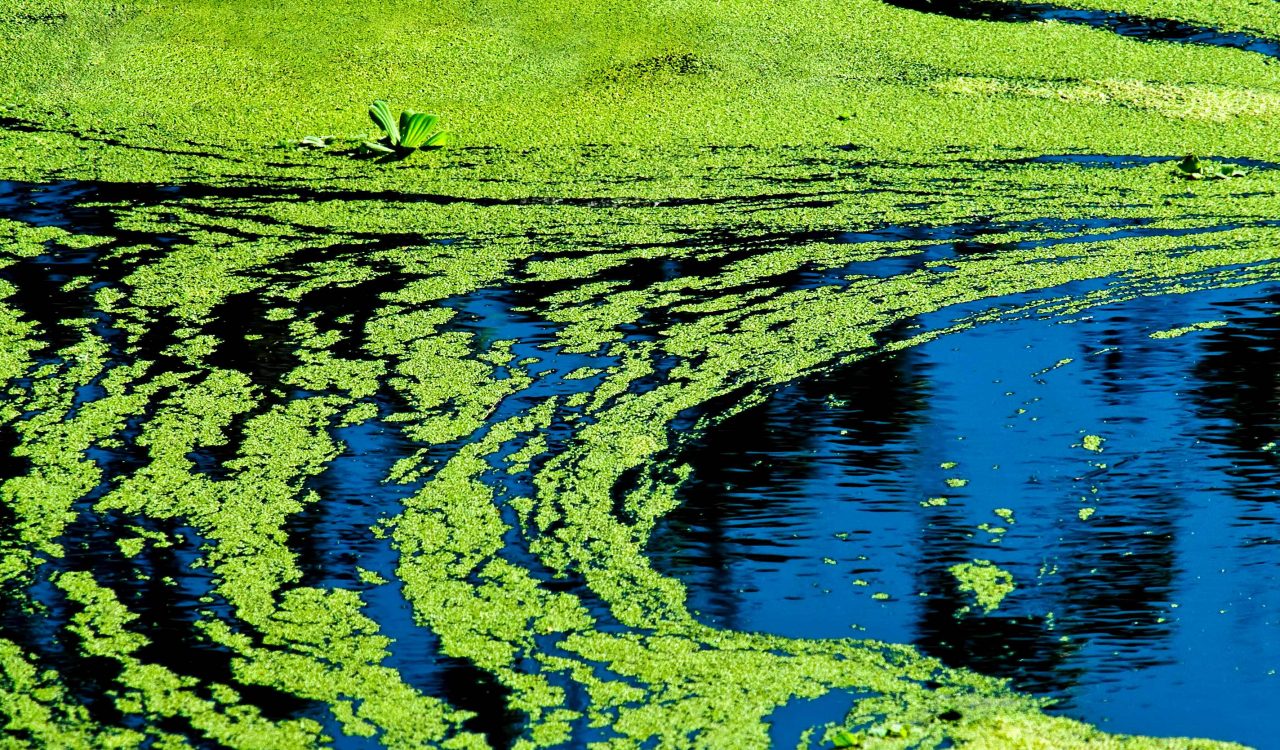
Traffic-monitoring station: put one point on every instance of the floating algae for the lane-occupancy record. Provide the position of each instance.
(226, 451)
(1173, 333)
(542, 331)
(988, 583)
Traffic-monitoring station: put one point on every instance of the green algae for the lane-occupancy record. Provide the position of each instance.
(1173, 333)
(39, 711)
(813, 61)
(1226, 15)
(101, 625)
(976, 721)
(450, 536)
(441, 534)
(557, 223)
(988, 584)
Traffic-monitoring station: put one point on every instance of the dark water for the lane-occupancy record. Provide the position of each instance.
(1160, 614)
(1133, 161)
(1123, 24)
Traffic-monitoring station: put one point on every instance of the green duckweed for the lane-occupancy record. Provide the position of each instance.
(246, 305)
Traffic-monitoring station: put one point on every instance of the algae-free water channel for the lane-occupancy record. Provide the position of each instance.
(875, 375)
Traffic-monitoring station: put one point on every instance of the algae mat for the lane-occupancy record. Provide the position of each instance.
(657, 216)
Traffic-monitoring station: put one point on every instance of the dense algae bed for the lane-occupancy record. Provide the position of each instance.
(669, 204)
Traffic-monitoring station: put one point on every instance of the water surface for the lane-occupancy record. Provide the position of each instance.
(1157, 613)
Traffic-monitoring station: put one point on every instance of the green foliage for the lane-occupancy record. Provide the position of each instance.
(411, 133)
(1193, 167)
(308, 143)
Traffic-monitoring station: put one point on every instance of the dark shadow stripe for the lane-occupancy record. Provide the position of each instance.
(1135, 27)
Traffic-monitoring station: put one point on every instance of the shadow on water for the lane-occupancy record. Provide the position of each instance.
(1238, 385)
(165, 585)
(1137, 27)
(1146, 575)
(42, 282)
(752, 474)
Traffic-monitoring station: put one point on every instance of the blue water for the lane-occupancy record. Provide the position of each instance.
(1160, 614)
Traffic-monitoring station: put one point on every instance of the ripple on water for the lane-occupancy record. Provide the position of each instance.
(1147, 575)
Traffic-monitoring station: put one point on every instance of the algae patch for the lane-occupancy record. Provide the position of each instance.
(988, 584)
(1173, 333)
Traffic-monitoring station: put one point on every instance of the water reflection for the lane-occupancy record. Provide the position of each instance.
(1146, 571)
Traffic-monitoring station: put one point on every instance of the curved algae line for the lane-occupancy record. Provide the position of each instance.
(574, 522)
(650, 671)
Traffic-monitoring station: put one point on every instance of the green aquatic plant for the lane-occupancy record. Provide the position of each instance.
(315, 141)
(307, 143)
(1193, 167)
(411, 133)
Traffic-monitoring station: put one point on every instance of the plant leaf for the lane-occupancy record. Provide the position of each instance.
(439, 140)
(380, 113)
(417, 126)
(377, 147)
(405, 117)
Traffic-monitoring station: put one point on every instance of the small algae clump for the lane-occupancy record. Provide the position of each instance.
(1173, 333)
(988, 584)
(1092, 443)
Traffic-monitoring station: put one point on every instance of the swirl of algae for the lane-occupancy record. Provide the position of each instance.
(525, 489)
(187, 398)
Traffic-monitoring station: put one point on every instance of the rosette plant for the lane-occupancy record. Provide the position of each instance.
(412, 132)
